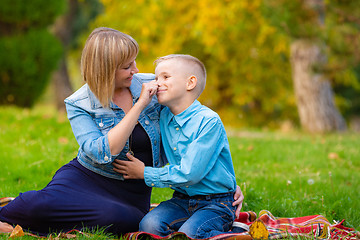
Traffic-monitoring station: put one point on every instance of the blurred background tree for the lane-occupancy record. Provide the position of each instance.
(29, 52)
(255, 77)
(68, 28)
(324, 53)
(249, 77)
(248, 47)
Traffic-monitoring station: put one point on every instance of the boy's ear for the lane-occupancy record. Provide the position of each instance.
(191, 83)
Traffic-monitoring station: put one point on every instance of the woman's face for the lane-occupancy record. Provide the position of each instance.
(124, 74)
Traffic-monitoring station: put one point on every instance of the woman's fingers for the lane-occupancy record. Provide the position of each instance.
(153, 86)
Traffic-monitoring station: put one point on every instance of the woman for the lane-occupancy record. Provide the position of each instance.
(112, 114)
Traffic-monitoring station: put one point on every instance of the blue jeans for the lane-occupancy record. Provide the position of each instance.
(197, 217)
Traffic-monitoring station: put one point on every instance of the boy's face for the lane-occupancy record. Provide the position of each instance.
(171, 80)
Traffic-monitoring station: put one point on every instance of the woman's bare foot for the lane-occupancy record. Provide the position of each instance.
(5, 227)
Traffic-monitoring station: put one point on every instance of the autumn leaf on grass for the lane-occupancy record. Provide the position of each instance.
(66, 236)
(17, 232)
(250, 148)
(333, 155)
(63, 140)
(258, 230)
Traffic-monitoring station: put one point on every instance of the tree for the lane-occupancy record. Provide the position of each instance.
(68, 28)
(315, 98)
(319, 57)
(245, 46)
(63, 31)
(245, 57)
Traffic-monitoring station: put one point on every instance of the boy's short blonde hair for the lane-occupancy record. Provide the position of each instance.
(199, 71)
(105, 50)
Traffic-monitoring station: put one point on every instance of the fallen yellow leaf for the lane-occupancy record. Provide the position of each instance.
(63, 140)
(250, 148)
(333, 155)
(17, 232)
(258, 230)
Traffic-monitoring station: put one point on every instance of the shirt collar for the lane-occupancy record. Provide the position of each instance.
(185, 115)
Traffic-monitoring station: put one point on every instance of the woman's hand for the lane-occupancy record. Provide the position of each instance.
(239, 198)
(148, 90)
(119, 134)
(132, 169)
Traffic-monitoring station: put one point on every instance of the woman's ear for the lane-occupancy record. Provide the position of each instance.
(191, 83)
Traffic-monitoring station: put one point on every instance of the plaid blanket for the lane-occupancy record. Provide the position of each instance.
(266, 226)
(312, 227)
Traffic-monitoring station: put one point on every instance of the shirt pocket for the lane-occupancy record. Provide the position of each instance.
(104, 124)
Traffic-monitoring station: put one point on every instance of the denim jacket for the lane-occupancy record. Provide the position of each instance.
(91, 123)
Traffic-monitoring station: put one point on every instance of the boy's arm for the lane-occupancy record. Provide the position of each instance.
(201, 153)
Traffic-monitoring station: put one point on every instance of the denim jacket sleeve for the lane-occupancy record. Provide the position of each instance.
(91, 123)
(91, 131)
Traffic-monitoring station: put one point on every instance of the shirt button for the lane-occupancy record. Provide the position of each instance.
(106, 158)
(187, 186)
(101, 124)
(177, 129)
(174, 148)
(152, 184)
(170, 185)
(147, 122)
(155, 142)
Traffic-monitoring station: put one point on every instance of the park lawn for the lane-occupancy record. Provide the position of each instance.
(290, 174)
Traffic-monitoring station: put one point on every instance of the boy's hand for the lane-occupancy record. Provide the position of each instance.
(239, 198)
(132, 169)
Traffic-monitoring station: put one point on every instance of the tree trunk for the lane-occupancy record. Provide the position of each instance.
(315, 101)
(63, 30)
(61, 84)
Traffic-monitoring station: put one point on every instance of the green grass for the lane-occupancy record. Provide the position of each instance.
(299, 167)
(289, 174)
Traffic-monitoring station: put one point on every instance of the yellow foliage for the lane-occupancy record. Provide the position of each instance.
(265, 32)
(241, 50)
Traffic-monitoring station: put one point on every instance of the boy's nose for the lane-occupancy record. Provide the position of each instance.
(159, 81)
(135, 70)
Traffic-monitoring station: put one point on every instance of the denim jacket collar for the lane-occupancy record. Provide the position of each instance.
(94, 102)
(135, 90)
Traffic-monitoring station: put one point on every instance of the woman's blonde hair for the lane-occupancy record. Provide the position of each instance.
(105, 50)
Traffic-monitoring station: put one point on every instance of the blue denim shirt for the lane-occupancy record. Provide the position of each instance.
(91, 123)
(198, 152)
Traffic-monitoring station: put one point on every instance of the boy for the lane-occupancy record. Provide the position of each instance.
(200, 168)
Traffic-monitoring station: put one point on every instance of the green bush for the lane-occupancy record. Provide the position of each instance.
(25, 66)
(29, 52)
(21, 15)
